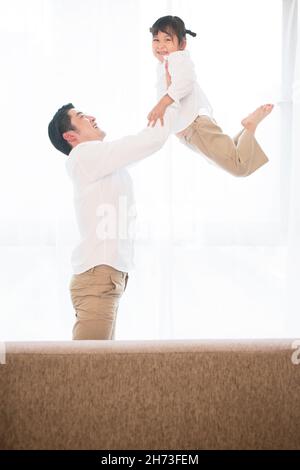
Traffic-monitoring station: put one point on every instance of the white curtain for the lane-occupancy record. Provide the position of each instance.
(212, 251)
(292, 19)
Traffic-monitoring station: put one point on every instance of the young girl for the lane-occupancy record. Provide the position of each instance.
(195, 126)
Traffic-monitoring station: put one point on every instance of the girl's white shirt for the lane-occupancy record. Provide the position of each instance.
(184, 89)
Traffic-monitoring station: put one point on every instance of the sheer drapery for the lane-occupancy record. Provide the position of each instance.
(292, 17)
(212, 250)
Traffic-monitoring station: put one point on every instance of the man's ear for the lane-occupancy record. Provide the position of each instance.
(182, 45)
(71, 137)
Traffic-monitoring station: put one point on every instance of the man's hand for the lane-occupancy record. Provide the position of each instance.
(157, 112)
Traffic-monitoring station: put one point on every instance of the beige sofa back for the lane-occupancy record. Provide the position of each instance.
(173, 394)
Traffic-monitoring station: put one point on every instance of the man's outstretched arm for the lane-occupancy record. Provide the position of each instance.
(98, 159)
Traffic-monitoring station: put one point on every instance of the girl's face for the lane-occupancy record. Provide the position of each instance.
(164, 44)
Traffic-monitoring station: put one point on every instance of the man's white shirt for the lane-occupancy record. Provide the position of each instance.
(103, 194)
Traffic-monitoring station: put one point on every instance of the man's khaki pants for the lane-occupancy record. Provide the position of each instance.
(239, 156)
(95, 296)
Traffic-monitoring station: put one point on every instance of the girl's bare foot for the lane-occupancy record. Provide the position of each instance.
(251, 122)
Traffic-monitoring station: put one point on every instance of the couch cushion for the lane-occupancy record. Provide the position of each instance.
(171, 394)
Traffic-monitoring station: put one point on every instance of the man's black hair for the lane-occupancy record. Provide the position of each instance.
(60, 123)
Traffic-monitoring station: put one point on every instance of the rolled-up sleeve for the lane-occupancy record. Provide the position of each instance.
(183, 75)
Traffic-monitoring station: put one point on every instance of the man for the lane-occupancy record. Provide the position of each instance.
(104, 207)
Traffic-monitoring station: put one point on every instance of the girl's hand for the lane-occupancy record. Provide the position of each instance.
(168, 76)
(157, 113)
(158, 56)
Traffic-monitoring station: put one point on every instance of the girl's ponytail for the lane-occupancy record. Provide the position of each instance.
(187, 31)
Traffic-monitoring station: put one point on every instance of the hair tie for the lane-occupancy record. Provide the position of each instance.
(187, 31)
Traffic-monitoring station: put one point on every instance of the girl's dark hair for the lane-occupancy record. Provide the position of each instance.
(171, 25)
